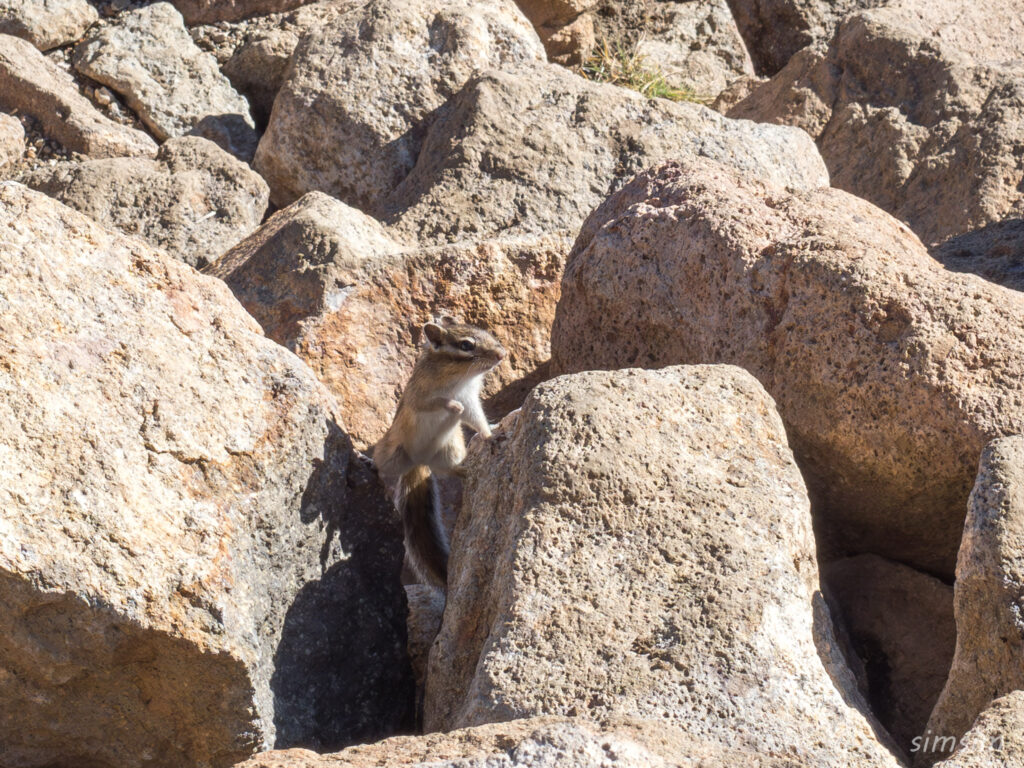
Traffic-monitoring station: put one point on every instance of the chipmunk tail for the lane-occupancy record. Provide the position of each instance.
(419, 502)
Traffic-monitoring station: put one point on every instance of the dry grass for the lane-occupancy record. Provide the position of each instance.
(621, 65)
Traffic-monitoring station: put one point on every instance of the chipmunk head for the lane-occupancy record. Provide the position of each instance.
(463, 344)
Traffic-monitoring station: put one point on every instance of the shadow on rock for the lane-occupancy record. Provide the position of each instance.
(341, 670)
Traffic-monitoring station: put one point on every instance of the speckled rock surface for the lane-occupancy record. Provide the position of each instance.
(536, 149)
(696, 44)
(194, 200)
(995, 252)
(890, 372)
(331, 284)
(918, 107)
(776, 29)
(31, 84)
(638, 543)
(900, 623)
(207, 11)
(989, 592)
(187, 538)
(12, 139)
(541, 742)
(566, 27)
(46, 23)
(148, 56)
(996, 740)
(361, 86)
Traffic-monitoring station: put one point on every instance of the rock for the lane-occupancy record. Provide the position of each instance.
(988, 593)
(331, 284)
(596, 571)
(258, 65)
(994, 740)
(32, 85)
(46, 23)
(192, 558)
(12, 139)
(194, 200)
(209, 11)
(776, 29)
(890, 373)
(901, 625)
(735, 92)
(941, 145)
(696, 44)
(536, 149)
(995, 252)
(362, 85)
(566, 27)
(541, 742)
(147, 55)
(426, 606)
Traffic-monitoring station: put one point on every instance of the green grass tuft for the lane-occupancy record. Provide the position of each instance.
(620, 65)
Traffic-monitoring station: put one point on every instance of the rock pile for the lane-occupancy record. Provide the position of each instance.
(758, 357)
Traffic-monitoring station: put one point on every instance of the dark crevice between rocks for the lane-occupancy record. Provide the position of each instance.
(341, 670)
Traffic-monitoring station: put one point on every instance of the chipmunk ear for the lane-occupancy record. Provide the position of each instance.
(434, 334)
(447, 320)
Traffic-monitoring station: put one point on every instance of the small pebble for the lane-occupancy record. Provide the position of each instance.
(103, 96)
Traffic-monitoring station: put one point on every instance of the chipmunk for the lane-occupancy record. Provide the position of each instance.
(425, 439)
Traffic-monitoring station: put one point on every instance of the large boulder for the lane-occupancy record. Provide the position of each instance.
(917, 106)
(638, 543)
(348, 118)
(996, 740)
(147, 55)
(331, 284)
(989, 593)
(257, 62)
(777, 29)
(539, 742)
(194, 564)
(194, 200)
(890, 372)
(31, 84)
(536, 149)
(46, 23)
(900, 624)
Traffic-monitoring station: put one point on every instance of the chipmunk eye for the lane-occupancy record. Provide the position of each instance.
(467, 345)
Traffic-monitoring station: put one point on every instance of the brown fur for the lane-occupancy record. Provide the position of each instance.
(426, 438)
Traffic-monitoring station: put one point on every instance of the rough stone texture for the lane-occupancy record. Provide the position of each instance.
(696, 44)
(989, 593)
(900, 622)
(996, 740)
(32, 85)
(194, 200)
(149, 57)
(566, 27)
(995, 252)
(426, 606)
(257, 66)
(12, 139)
(46, 23)
(329, 283)
(208, 11)
(191, 555)
(890, 372)
(541, 742)
(776, 29)
(917, 107)
(536, 149)
(362, 84)
(638, 543)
